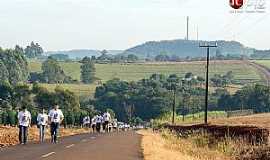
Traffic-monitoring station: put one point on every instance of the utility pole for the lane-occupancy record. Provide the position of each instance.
(208, 46)
(174, 103)
(187, 27)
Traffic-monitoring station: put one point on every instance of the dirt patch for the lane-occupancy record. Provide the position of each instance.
(9, 135)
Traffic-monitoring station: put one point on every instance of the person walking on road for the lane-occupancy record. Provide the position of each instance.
(98, 123)
(42, 121)
(93, 124)
(107, 119)
(55, 118)
(86, 122)
(24, 119)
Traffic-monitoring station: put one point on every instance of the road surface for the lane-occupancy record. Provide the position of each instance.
(111, 146)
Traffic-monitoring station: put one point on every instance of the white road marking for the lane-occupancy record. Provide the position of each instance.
(93, 137)
(84, 140)
(47, 155)
(70, 146)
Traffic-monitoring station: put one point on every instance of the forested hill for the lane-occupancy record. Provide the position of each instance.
(184, 48)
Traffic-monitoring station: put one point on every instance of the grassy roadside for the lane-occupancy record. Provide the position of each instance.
(169, 146)
(203, 146)
(161, 146)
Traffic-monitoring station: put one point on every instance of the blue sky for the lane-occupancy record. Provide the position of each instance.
(120, 24)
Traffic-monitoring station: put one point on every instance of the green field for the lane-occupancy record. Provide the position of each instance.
(265, 63)
(133, 72)
(78, 89)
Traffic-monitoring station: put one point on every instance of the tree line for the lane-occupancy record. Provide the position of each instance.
(36, 98)
(255, 97)
(152, 97)
(149, 98)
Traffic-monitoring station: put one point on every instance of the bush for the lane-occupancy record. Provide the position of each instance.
(4, 117)
(34, 115)
(69, 118)
(11, 117)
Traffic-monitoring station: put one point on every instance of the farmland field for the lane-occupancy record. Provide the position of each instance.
(78, 89)
(137, 71)
(133, 72)
(265, 63)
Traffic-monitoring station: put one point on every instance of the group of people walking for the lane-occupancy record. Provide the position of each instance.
(54, 119)
(103, 122)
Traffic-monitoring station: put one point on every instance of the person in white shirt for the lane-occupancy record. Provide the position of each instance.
(55, 119)
(42, 121)
(86, 121)
(24, 119)
(98, 123)
(106, 119)
(114, 124)
(94, 123)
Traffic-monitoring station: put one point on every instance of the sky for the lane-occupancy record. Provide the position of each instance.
(121, 24)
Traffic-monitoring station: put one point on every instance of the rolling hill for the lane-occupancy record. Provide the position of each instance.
(184, 48)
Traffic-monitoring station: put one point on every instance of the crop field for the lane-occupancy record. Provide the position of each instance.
(137, 71)
(265, 63)
(78, 89)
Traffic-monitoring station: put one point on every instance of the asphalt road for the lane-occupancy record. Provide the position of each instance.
(110, 146)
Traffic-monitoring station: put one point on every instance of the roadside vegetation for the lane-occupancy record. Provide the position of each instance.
(171, 146)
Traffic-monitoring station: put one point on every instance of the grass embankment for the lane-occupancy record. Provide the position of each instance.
(202, 146)
(167, 145)
(9, 135)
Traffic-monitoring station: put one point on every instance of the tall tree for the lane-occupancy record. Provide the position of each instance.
(88, 70)
(33, 50)
(52, 71)
(14, 67)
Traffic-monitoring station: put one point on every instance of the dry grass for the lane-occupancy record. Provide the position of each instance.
(156, 148)
(206, 147)
(9, 135)
(168, 146)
